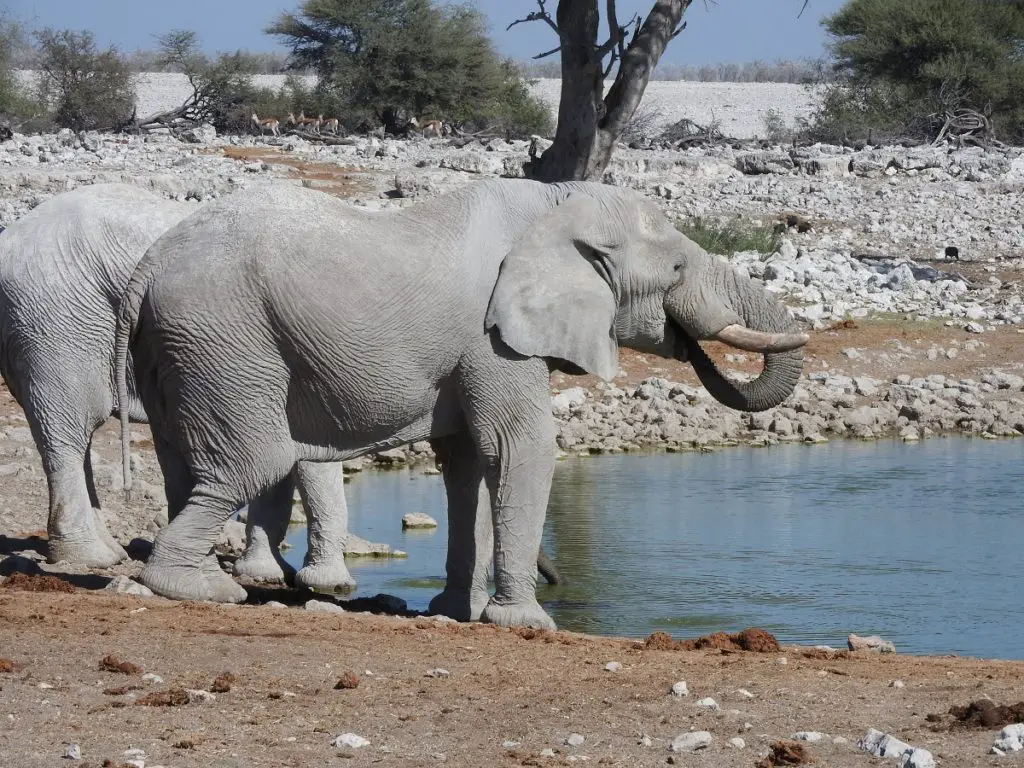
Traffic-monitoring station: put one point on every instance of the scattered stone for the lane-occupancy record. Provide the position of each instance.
(72, 752)
(743, 693)
(917, 758)
(323, 606)
(737, 743)
(644, 740)
(123, 585)
(350, 740)
(347, 681)
(613, 666)
(112, 663)
(691, 742)
(870, 643)
(897, 684)
(437, 673)
(708, 703)
(882, 744)
(198, 696)
(149, 677)
(575, 740)
(418, 520)
(809, 736)
(1011, 739)
(679, 689)
(509, 744)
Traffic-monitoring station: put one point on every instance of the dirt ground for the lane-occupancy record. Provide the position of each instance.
(508, 696)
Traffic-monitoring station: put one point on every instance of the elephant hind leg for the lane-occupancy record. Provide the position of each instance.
(322, 488)
(76, 534)
(265, 529)
(182, 565)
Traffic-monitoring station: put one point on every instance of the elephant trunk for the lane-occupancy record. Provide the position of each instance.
(722, 305)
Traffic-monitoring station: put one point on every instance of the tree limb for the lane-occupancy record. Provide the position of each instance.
(540, 15)
(547, 53)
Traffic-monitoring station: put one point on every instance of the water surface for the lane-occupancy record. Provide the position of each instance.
(921, 543)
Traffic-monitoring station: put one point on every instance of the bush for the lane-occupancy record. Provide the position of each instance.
(385, 61)
(907, 65)
(727, 238)
(87, 89)
(16, 104)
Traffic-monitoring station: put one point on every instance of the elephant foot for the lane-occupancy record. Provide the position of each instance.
(326, 577)
(106, 537)
(525, 614)
(263, 567)
(88, 550)
(187, 582)
(459, 604)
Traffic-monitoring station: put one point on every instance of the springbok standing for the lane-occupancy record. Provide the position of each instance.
(329, 124)
(304, 122)
(262, 124)
(428, 129)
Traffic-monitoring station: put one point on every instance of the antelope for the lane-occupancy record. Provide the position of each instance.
(263, 123)
(428, 129)
(329, 124)
(302, 121)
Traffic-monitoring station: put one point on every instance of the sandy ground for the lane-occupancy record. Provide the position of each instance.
(508, 696)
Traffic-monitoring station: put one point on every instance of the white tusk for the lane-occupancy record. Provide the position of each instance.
(756, 341)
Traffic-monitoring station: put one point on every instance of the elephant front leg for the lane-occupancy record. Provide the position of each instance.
(470, 531)
(322, 488)
(508, 408)
(265, 528)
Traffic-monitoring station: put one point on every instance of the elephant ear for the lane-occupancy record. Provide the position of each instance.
(554, 297)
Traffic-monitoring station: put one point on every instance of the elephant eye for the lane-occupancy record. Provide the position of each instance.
(678, 267)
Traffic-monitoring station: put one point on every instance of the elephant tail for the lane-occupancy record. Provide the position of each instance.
(127, 319)
(548, 569)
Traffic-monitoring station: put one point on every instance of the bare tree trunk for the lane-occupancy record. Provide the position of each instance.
(589, 125)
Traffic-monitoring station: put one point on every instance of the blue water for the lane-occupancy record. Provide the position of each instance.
(921, 543)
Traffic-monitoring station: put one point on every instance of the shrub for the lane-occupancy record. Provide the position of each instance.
(727, 238)
(906, 65)
(388, 60)
(87, 88)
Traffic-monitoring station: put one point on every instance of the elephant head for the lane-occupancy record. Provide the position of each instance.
(605, 267)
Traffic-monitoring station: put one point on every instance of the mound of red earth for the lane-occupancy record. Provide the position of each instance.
(751, 639)
(983, 713)
(784, 753)
(32, 583)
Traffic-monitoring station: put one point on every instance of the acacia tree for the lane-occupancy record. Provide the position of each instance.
(590, 120)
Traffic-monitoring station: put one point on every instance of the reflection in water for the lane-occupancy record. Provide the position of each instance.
(919, 543)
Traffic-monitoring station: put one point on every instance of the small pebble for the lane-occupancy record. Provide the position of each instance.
(72, 752)
(644, 741)
(547, 752)
(196, 696)
(575, 740)
(149, 677)
(612, 666)
(810, 736)
(680, 689)
(743, 693)
(350, 740)
(708, 702)
(509, 744)
(691, 742)
(437, 673)
(737, 743)
(897, 684)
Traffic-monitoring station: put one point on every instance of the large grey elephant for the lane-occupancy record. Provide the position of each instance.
(63, 269)
(281, 325)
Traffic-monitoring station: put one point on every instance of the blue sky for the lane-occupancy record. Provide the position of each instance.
(718, 31)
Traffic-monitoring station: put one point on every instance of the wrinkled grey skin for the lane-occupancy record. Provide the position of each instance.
(255, 347)
(63, 268)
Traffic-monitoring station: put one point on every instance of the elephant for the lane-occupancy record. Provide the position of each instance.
(63, 268)
(281, 324)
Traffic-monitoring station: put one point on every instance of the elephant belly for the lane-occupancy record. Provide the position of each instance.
(346, 422)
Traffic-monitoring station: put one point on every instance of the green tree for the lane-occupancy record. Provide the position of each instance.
(14, 101)
(88, 88)
(392, 59)
(907, 65)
